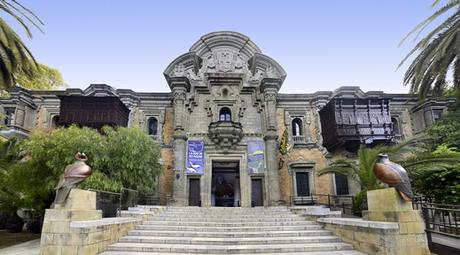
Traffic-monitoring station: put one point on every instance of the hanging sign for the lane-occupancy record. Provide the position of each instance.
(195, 157)
(256, 157)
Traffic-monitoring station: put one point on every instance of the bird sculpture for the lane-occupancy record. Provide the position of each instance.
(73, 175)
(394, 175)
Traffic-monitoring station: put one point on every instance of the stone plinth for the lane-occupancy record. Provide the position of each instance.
(386, 200)
(389, 227)
(79, 200)
(77, 228)
(386, 205)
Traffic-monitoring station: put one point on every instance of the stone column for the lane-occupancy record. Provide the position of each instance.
(269, 88)
(179, 87)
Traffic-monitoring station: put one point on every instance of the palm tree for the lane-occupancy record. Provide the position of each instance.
(15, 57)
(438, 54)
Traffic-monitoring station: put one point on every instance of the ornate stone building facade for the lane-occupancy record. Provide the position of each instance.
(221, 126)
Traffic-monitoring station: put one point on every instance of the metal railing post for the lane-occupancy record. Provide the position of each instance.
(426, 217)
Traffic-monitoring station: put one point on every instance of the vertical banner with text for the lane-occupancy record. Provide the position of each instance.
(256, 157)
(195, 157)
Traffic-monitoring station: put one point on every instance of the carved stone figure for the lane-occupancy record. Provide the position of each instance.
(73, 175)
(393, 175)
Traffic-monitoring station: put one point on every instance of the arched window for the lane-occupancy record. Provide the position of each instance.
(296, 127)
(55, 121)
(225, 114)
(153, 126)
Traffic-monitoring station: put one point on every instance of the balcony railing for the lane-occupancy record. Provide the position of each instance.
(298, 139)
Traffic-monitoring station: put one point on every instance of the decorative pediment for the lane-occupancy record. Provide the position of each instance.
(225, 54)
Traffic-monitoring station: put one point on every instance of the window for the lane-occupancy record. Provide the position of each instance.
(8, 118)
(395, 123)
(437, 114)
(55, 121)
(225, 114)
(341, 184)
(153, 126)
(296, 127)
(302, 184)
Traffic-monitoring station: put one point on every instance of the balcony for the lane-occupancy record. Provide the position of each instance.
(225, 134)
(350, 122)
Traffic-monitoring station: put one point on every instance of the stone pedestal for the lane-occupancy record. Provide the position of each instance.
(387, 205)
(56, 235)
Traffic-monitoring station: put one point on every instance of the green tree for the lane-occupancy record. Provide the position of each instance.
(15, 57)
(447, 129)
(132, 157)
(440, 181)
(361, 170)
(119, 158)
(438, 54)
(46, 78)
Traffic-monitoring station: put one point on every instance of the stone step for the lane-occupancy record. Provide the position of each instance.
(229, 229)
(346, 252)
(225, 213)
(225, 219)
(229, 224)
(229, 241)
(215, 214)
(248, 234)
(197, 208)
(225, 249)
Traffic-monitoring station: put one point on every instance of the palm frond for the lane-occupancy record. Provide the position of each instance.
(14, 57)
(422, 25)
(437, 52)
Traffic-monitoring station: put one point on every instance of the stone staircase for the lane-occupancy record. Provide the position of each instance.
(217, 230)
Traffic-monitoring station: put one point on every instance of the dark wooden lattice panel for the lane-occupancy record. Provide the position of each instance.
(94, 112)
(350, 122)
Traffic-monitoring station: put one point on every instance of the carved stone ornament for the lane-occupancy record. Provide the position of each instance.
(178, 95)
(190, 74)
(257, 76)
(270, 97)
(224, 61)
(179, 70)
(271, 72)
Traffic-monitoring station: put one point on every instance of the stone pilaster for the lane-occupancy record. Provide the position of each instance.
(269, 88)
(179, 86)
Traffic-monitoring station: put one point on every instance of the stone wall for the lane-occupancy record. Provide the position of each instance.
(322, 184)
(167, 154)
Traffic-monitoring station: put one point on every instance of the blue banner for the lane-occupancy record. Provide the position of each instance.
(256, 157)
(195, 157)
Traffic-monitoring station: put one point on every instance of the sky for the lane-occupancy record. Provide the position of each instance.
(322, 45)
